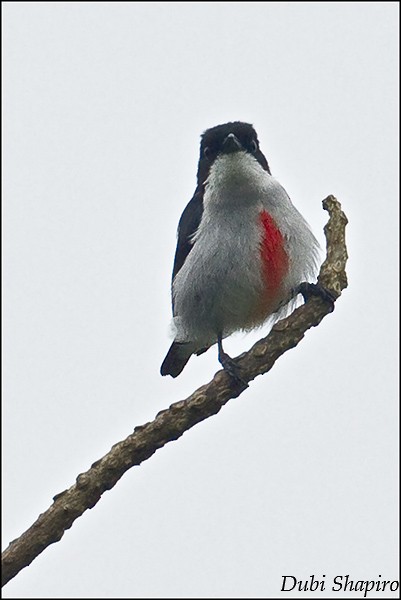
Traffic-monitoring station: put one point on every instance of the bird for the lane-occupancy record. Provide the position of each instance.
(244, 252)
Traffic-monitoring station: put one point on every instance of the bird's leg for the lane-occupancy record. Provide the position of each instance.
(316, 289)
(229, 364)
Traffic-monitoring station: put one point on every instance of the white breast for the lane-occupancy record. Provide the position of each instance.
(221, 282)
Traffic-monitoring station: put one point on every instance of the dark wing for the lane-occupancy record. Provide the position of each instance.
(189, 223)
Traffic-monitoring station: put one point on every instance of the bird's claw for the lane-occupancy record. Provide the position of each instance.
(231, 367)
(307, 290)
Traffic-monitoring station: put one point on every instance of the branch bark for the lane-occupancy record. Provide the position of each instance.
(171, 423)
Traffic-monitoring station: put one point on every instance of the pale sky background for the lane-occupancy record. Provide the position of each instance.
(103, 107)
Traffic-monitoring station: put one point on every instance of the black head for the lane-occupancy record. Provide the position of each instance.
(226, 138)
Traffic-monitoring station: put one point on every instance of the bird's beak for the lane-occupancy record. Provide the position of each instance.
(231, 144)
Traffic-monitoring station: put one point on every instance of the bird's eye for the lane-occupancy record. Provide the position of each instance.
(253, 146)
(206, 152)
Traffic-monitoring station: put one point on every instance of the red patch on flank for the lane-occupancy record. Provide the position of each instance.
(274, 255)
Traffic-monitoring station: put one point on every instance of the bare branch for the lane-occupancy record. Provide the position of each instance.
(171, 423)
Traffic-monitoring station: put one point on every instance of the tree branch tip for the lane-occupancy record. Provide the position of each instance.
(331, 204)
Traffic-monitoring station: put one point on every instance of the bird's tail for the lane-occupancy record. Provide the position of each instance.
(176, 358)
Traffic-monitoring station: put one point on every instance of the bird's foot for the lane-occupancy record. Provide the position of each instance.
(231, 367)
(307, 290)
